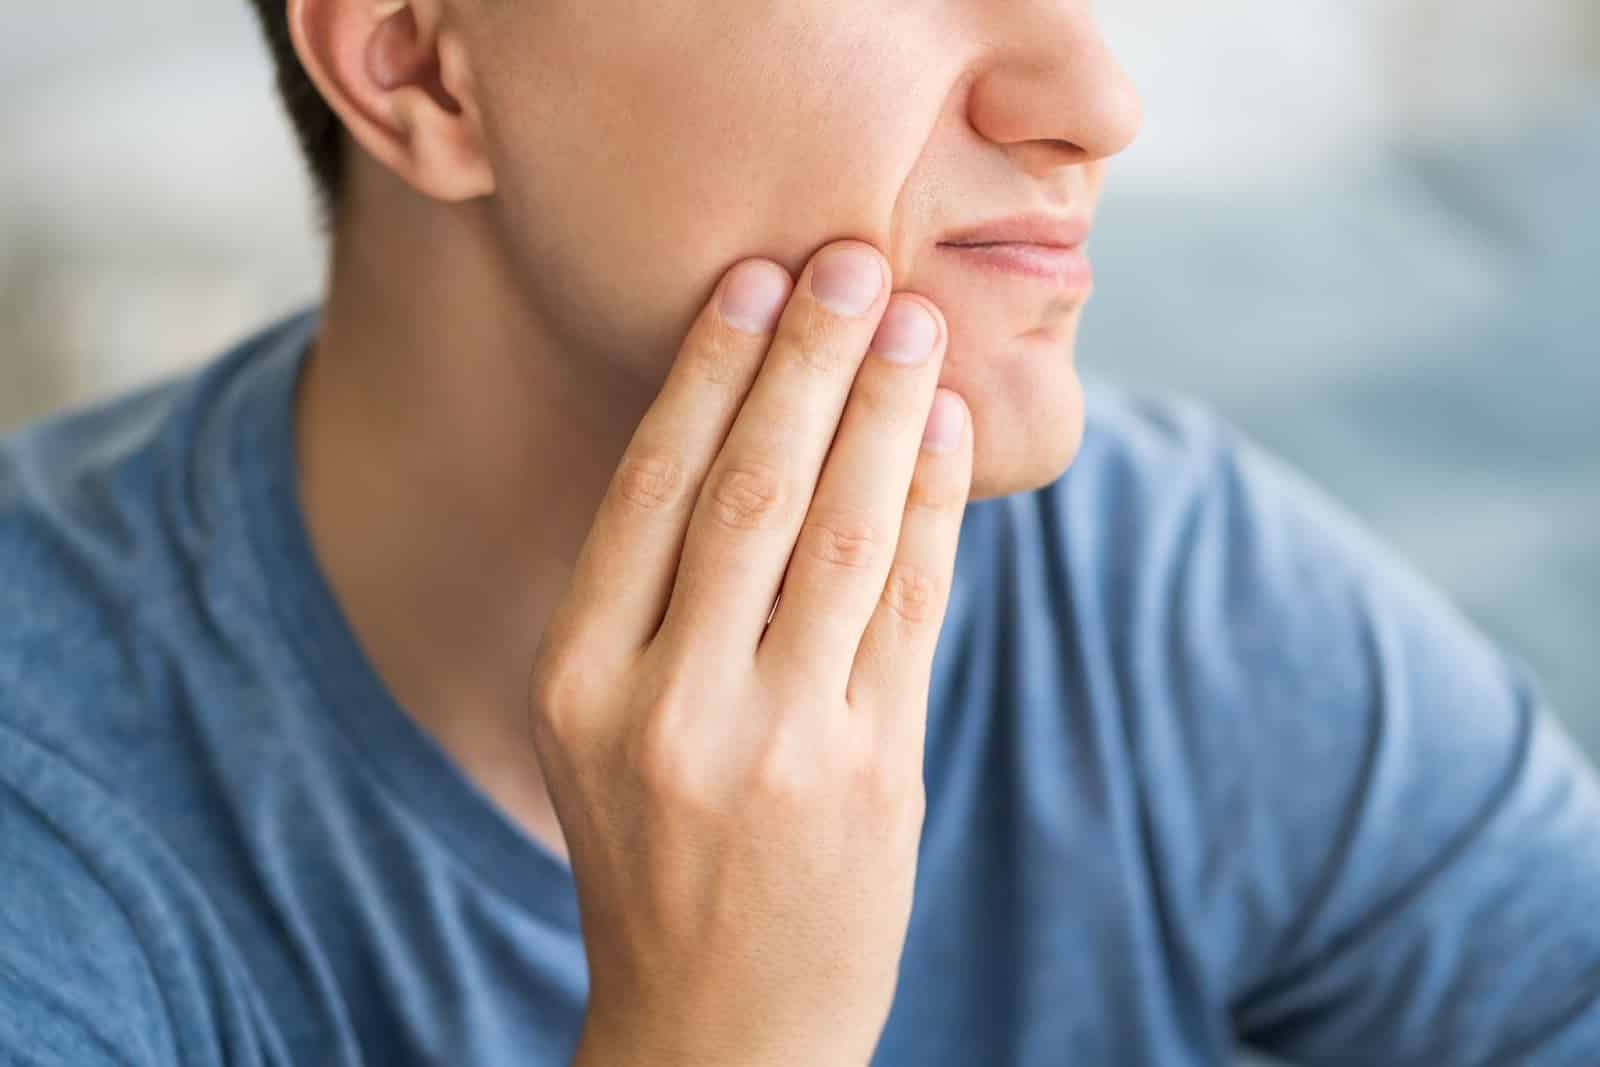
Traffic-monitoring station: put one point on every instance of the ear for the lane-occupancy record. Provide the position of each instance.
(402, 87)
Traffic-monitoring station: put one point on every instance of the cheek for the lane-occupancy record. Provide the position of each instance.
(791, 125)
(636, 177)
(789, 146)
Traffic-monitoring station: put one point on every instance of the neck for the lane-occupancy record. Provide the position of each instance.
(452, 455)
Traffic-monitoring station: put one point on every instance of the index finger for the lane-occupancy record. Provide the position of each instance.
(624, 573)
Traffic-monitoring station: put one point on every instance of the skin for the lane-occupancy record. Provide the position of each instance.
(743, 797)
(545, 200)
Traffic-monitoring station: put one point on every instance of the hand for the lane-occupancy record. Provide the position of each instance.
(742, 801)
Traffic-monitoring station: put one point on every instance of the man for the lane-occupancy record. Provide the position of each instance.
(673, 603)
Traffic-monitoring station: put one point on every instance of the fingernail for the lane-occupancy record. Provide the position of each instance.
(754, 295)
(945, 422)
(847, 279)
(907, 333)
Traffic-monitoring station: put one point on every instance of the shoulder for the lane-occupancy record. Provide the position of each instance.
(110, 528)
(83, 548)
(77, 539)
(82, 557)
(79, 470)
(120, 556)
(76, 982)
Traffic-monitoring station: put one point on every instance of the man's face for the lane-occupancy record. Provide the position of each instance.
(641, 147)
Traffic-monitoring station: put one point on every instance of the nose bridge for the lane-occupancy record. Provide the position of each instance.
(1050, 75)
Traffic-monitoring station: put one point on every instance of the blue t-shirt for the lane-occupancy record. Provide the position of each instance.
(1204, 764)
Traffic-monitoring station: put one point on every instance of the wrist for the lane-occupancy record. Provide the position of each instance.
(616, 1043)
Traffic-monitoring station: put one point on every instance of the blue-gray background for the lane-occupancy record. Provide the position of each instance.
(1421, 335)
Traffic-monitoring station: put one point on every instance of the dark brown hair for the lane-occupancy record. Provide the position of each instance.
(315, 124)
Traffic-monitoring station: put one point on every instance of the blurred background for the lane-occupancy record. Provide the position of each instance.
(1367, 231)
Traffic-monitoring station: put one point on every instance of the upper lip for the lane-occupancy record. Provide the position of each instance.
(1062, 231)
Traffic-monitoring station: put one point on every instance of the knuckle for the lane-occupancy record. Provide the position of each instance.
(746, 495)
(935, 489)
(809, 339)
(560, 693)
(911, 592)
(650, 481)
(719, 359)
(878, 786)
(662, 758)
(885, 397)
(783, 777)
(843, 539)
(888, 786)
(794, 762)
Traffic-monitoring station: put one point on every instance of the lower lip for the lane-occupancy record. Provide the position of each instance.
(1066, 268)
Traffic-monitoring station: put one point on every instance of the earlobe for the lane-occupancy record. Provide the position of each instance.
(377, 64)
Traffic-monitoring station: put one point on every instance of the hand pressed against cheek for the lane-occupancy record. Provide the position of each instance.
(641, 149)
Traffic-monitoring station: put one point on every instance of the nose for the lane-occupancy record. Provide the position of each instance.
(1051, 87)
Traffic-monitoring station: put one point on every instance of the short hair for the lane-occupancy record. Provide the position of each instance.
(318, 129)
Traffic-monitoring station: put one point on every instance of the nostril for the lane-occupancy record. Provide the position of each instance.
(1042, 156)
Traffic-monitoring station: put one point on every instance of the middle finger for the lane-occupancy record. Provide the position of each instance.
(752, 503)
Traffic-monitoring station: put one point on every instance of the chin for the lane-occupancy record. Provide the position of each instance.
(1027, 442)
